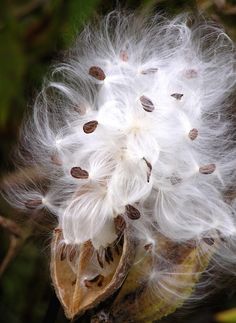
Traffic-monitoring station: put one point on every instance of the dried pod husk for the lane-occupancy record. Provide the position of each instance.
(136, 301)
(80, 282)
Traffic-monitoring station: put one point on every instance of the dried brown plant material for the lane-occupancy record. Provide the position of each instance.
(78, 172)
(193, 133)
(97, 73)
(207, 169)
(150, 70)
(90, 126)
(147, 104)
(132, 212)
(33, 204)
(124, 56)
(75, 289)
(177, 96)
(137, 296)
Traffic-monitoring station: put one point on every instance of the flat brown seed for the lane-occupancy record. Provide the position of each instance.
(174, 179)
(124, 56)
(193, 134)
(108, 255)
(99, 259)
(90, 126)
(132, 212)
(33, 204)
(72, 254)
(120, 224)
(151, 70)
(149, 165)
(209, 241)
(177, 96)
(81, 109)
(97, 73)
(190, 73)
(97, 280)
(63, 252)
(148, 247)
(78, 172)
(207, 169)
(56, 160)
(147, 104)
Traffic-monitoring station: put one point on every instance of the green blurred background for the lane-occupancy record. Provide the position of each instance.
(34, 33)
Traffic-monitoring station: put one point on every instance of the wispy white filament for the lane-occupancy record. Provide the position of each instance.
(157, 92)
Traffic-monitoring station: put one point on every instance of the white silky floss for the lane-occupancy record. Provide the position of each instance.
(137, 122)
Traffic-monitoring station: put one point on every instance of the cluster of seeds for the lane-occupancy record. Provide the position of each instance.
(135, 124)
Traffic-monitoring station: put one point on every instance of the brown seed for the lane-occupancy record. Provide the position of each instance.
(33, 204)
(149, 165)
(99, 259)
(81, 109)
(63, 252)
(124, 56)
(151, 70)
(117, 250)
(97, 73)
(207, 169)
(57, 230)
(209, 241)
(190, 73)
(108, 255)
(147, 104)
(56, 160)
(97, 280)
(193, 134)
(72, 254)
(148, 247)
(177, 96)
(78, 172)
(120, 224)
(90, 126)
(132, 212)
(174, 179)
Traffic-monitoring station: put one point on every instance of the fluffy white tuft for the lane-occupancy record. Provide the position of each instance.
(139, 115)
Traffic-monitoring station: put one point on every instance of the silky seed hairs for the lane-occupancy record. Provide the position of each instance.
(137, 122)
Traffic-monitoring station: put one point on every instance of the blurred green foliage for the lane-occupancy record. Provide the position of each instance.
(33, 33)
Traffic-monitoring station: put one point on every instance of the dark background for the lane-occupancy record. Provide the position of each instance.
(33, 34)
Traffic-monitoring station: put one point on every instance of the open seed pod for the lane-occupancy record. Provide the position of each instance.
(154, 288)
(84, 277)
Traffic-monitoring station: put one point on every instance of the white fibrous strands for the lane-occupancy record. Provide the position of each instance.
(136, 127)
